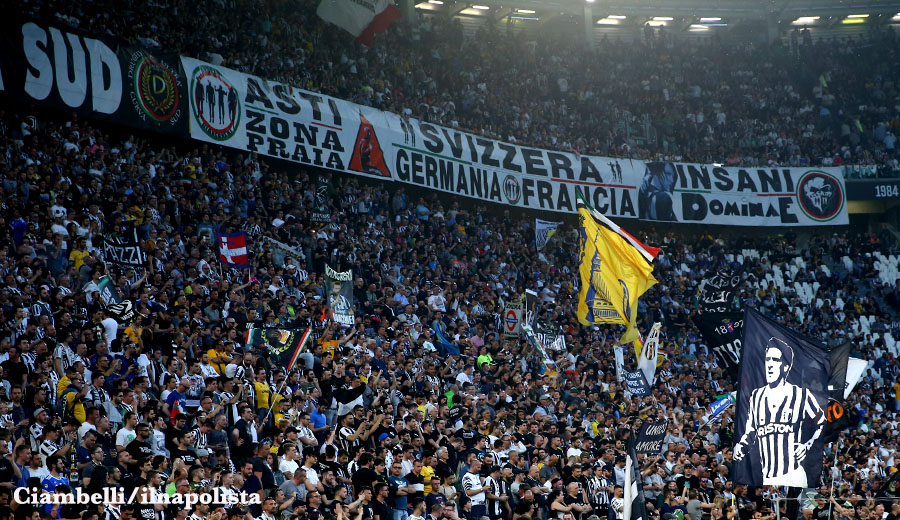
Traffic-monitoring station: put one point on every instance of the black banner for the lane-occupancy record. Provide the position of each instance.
(321, 209)
(122, 312)
(717, 291)
(64, 69)
(130, 254)
(880, 189)
(637, 383)
(838, 416)
(723, 334)
(781, 406)
(837, 379)
(650, 437)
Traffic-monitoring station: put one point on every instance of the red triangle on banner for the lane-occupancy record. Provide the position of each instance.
(367, 155)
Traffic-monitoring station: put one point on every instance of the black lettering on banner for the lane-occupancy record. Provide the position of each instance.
(446, 175)
(534, 159)
(286, 103)
(545, 192)
(723, 181)
(487, 149)
(508, 157)
(255, 122)
(787, 217)
(277, 148)
(314, 101)
(589, 171)
(527, 191)
(332, 141)
(256, 94)
(560, 163)
(770, 182)
(495, 188)
(564, 201)
(254, 141)
(432, 139)
(455, 142)
(745, 182)
(279, 128)
(306, 133)
(699, 177)
(431, 168)
(461, 187)
(335, 113)
(417, 169)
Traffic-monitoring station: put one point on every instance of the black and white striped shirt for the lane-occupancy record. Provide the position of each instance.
(471, 481)
(199, 439)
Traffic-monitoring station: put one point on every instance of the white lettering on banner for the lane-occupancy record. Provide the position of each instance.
(91, 62)
(277, 120)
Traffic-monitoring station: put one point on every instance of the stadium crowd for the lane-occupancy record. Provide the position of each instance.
(795, 102)
(379, 420)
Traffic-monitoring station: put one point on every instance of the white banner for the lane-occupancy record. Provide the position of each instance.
(855, 369)
(277, 120)
(512, 319)
(619, 353)
(543, 232)
(647, 360)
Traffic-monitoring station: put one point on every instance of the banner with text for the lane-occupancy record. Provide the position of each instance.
(277, 120)
(60, 68)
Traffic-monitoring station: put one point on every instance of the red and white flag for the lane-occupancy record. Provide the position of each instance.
(361, 18)
(233, 250)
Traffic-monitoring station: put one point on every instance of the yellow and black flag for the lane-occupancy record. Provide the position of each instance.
(616, 269)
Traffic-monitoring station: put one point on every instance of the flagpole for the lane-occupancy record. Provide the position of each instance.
(271, 406)
(831, 492)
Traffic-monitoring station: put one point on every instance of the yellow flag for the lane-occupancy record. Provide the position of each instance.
(616, 269)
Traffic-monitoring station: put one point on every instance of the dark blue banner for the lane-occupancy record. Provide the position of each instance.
(781, 406)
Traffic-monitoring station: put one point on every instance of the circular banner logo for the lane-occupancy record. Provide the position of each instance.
(156, 89)
(511, 320)
(511, 189)
(216, 107)
(820, 196)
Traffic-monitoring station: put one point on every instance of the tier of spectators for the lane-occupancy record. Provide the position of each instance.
(378, 421)
(794, 102)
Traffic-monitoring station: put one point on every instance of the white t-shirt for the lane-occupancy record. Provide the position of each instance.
(288, 466)
(437, 301)
(311, 476)
(124, 436)
(110, 330)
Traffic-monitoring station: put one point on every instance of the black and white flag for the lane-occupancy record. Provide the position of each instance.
(543, 232)
(633, 494)
(723, 334)
(717, 291)
(781, 406)
(124, 248)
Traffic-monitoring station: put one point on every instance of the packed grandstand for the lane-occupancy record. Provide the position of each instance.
(119, 374)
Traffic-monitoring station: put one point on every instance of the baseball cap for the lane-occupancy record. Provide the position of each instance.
(39, 411)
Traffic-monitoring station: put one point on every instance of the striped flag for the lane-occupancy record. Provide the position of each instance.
(633, 496)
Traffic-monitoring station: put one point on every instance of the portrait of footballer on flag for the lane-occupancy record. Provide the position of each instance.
(781, 406)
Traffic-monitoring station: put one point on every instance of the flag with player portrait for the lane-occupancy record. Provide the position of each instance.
(781, 406)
